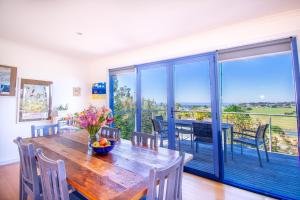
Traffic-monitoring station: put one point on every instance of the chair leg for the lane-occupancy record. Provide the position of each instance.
(23, 194)
(258, 154)
(267, 156)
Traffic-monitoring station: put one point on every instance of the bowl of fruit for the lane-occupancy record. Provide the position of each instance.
(103, 146)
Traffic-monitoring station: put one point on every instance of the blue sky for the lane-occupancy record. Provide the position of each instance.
(267, 78)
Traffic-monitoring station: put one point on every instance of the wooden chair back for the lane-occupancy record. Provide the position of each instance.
(28, 170)
(108, 132)
(144, 139)
(169, 181)
(44, 130)
(53, 178)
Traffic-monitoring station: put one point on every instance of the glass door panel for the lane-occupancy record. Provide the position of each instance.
(259, 91)
(153, 97)
(123, 101)
(193, 121)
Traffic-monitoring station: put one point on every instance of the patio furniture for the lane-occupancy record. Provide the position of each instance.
(108, 132)
(158, 128)
(254, 140)
(202, 133)
(53, 178)
(44, 130)
(29, 180)
(169, 180)
(163, 132)
(144, 139)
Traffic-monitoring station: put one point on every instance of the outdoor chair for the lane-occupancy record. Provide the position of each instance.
(144, 139)
(202, 134)
(160, 130)
(255, 140)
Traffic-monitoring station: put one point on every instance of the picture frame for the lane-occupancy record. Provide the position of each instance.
(8, 78)
(76, 91)
(35, 100)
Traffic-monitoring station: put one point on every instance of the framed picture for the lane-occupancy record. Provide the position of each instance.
(76, 91)
(99, 88)
(8, 77)
(35, 100)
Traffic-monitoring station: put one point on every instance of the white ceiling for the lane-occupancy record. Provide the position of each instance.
(113, 26)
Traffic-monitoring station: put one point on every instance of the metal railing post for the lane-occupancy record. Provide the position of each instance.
(270, 133)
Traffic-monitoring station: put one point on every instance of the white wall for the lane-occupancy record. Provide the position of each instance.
(37, 64)
(262, 29)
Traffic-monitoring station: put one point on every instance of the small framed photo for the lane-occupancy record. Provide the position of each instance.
(8, 77)
(35, 100)
(76, 91)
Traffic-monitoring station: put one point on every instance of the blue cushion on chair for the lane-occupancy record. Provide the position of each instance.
(76, 196)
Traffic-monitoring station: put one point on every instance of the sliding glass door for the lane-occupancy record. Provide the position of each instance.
(122, 100)
(153, 83)
(236, 111)
(259, 100)
(193, 118)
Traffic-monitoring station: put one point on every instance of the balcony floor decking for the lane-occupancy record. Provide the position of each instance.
(280, 176)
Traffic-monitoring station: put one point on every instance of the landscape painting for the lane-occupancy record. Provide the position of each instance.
(35, 100)
(7, 80)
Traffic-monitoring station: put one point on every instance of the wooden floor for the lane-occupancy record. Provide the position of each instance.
(194, 187)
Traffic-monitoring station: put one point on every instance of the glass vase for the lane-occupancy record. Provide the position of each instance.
(91, 140)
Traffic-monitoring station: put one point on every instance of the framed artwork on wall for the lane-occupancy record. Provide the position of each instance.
(8, 77)
(99, 90)
(35, 100)
(76, 91)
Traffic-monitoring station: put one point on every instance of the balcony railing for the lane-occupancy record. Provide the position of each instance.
(282, 134)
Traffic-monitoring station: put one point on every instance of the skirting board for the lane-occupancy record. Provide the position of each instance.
(6, 162)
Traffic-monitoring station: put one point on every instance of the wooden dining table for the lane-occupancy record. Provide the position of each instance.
(121, 174)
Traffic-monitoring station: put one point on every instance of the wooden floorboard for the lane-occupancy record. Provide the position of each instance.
(194, 187)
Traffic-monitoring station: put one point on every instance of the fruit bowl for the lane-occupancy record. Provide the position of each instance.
(104, 146)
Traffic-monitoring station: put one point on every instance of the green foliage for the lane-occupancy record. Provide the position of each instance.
(233, 108)
(124, 110)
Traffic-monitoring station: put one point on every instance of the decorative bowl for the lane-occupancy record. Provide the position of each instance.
(106, 149)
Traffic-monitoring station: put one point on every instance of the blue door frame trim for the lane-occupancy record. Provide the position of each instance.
(216, 113)
(296, 73)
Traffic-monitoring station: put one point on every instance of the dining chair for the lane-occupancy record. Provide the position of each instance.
(44, 130)
(144, 139)
(29, 180)
(67, 126)
(202, 133)
(108, 132)
(53, 178)
(255, 140)
(169, 180)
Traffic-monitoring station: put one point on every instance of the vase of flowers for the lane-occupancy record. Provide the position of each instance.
(92, 119)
